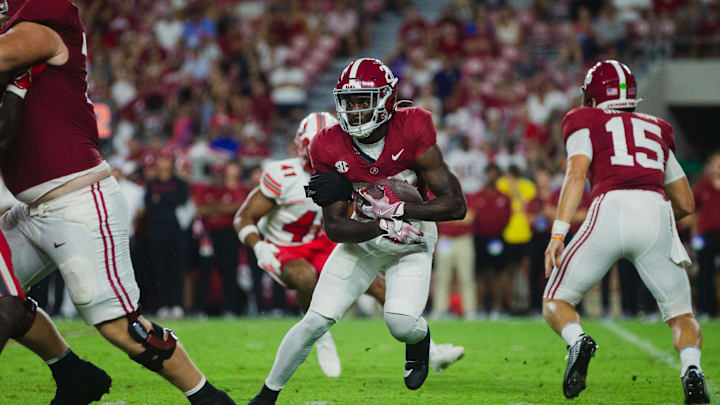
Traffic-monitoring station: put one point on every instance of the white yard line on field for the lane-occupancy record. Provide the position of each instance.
(652, 350)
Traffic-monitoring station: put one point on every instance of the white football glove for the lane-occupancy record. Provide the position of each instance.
(381, 207)
(401, 231)
(265, 254)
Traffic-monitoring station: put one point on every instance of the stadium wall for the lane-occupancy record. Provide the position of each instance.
(685, 92)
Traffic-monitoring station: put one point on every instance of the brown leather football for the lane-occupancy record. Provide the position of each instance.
(398, 190)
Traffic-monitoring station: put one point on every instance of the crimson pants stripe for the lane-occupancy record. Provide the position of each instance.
(11, 284)
(563, 266)
(586, 236)
(112, 244)
(107, 264)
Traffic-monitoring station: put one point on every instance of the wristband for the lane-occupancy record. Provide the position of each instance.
(560, 238)
(560, 229)
(16, 90)
(245, 231)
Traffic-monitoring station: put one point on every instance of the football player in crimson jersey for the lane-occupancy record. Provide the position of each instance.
(72, 211)
(373, 141)
(13, 322)
(630, 161)
(295, 247)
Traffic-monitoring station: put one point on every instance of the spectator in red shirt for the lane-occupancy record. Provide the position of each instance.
(216, 205)
(492, 214)
(413, 26)
(706, 231)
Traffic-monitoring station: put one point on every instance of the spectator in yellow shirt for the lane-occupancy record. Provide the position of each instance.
(517, 233)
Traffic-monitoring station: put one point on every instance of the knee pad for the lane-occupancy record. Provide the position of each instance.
(405, 328)
(27, 321)
(157, 348)
(315, 325)
(79, 279)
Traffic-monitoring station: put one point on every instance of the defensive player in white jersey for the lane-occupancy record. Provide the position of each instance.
(295, 247)
(374, 141)
(630, 162)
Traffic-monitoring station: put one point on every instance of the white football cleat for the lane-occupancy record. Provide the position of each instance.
(442, 356)
(327, 355)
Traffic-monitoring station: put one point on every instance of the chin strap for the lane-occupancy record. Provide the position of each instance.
(400, 102)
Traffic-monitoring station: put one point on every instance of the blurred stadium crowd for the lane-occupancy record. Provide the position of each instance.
(195, 95)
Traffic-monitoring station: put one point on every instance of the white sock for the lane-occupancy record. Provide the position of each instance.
(58, 358)
(689, 356)
(295, 347)
(197, 388)
(571, 332)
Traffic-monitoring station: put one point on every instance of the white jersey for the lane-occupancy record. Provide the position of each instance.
(295, 220)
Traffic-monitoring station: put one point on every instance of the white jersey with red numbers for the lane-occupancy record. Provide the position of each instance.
(296, 220)
(411, 133)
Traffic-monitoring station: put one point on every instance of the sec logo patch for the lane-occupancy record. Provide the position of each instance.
(373, 170)
(341, 166)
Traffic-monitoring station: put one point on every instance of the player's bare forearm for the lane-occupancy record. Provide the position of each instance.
(11, 111)
(29, 43)
(442, 208)
(341, 229)
(570, 197)
(256, 206)
(681, 197)
(573, 187)
(449, 205)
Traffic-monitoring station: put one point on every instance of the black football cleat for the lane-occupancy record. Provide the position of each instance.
(579, 356)
(417, 360)
(266, 396)
(219, 397)
(261, 401)
(85, 383)
(694, 386)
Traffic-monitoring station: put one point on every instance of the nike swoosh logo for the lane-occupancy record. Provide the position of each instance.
(385, 211)
(395, 157)
(57, 245)
(407, 373)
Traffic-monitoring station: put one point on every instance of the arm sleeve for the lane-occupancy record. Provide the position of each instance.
(673, 171)
(579, 143)
(270, 185)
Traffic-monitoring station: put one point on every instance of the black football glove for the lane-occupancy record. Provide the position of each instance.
(327, 188)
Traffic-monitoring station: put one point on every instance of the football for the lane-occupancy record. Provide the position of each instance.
(400, 190)
(397, 190)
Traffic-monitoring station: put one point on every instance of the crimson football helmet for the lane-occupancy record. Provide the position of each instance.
(8, 8)
(309, 127)
(609, 84)
(362, 77)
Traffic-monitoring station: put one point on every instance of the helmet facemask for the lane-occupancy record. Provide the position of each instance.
(4, 8)
(378, 99)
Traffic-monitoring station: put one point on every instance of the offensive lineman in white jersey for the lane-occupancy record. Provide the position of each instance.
(295, 247)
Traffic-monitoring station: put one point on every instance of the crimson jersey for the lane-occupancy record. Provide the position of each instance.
(629, 150)
(410, 134)
(58, 136)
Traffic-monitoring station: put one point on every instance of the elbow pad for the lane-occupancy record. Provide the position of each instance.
(327, 188)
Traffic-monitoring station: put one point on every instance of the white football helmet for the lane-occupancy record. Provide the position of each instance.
(309, 127)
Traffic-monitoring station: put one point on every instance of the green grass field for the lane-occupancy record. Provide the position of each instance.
(518, 361)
